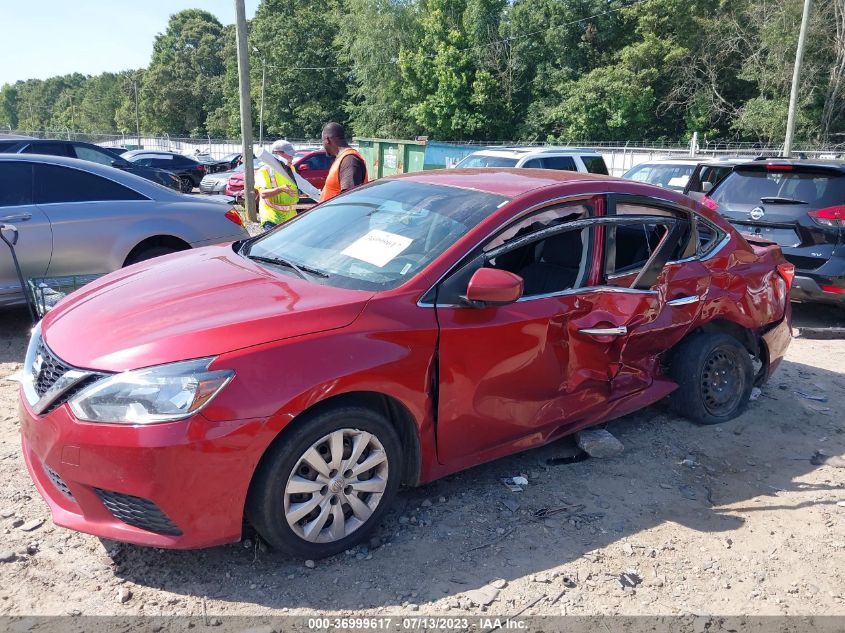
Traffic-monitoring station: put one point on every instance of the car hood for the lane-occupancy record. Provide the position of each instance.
(187, 305)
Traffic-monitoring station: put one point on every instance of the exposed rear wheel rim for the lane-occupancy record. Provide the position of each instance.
(722, 381)
(187, 185)
(336, 486)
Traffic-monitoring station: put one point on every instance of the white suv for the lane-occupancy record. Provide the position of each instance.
(566, 158)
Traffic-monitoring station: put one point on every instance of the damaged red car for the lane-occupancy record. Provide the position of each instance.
(400, 332)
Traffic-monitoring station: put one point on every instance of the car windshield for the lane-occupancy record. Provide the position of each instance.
(751, 187)
(668, 176)
(377, 237)
(481, 160)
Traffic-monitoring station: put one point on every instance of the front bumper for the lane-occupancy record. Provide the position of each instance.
(176, 485)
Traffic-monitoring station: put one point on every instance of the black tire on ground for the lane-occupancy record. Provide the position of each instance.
(149, 253)
(715, 377)
(265, 506)
(186, 185)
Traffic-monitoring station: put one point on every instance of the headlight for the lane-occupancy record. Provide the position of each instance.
(147, 396)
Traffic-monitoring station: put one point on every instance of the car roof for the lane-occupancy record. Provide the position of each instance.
(519, 152)
(503, 181)
(669, 160)
(139, 184)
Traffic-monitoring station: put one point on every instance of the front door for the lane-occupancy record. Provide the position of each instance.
(35, 237)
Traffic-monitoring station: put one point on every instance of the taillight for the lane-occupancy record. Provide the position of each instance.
(777, 167)
(235, 217)
(709, 202)
(835, 289)
(787, 271)
(201, 168)
(829, 216)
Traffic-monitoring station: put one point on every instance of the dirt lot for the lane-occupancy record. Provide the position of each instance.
(733, 519)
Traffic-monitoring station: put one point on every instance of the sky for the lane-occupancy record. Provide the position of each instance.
(56, 37)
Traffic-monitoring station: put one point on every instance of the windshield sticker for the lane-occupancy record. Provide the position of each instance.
(377, 247)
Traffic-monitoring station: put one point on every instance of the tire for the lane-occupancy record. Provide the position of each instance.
(282, 488)
(149, 253)
(714, 375)
(186, 185)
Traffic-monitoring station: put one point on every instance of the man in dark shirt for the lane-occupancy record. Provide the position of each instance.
(349, 169)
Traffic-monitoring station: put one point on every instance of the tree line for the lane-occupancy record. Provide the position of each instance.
(530, 70)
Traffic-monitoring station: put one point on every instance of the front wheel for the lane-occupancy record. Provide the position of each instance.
(714, 375)
(323, 488)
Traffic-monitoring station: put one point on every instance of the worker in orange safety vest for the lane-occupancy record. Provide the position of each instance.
(348, 169)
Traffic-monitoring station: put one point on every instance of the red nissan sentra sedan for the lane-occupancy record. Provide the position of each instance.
(405, 330)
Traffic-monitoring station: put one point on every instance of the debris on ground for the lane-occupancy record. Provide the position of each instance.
(630, 579)
(599, 443)
(580, 456)
(756, 392)
(34, 524)
(809, 396)
(515, 484)
(820, 458)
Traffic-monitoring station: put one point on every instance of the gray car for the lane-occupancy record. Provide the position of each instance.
(76, 217)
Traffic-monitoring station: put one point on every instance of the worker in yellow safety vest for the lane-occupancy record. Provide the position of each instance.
(278, 193)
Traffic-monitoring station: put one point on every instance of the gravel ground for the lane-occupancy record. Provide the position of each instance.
(731, 519)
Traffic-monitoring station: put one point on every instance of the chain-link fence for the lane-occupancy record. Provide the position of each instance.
(619, 155)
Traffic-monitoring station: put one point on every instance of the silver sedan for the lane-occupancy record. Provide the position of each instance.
(76, 217)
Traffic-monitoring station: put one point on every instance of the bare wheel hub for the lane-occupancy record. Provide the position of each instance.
(336, 485)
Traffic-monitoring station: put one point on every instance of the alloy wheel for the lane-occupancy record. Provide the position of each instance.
(336, 485)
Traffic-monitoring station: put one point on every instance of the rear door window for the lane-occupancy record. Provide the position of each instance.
(629, 247)
(50, 149)
(564, 163)
(15, 183)
(93, 155)
(55, 184)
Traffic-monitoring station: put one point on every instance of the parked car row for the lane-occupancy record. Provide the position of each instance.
(312, 165)
(92, 153)
(77, 217)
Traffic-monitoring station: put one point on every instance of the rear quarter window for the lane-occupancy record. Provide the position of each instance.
(595, 164)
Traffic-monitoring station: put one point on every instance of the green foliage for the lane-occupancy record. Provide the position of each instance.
(557, 70)
(181, 85)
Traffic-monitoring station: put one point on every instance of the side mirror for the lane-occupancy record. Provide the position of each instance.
(491, 287)
(119, 163)
(706, 186)
(302, 167)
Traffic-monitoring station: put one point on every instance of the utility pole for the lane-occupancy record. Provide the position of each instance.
(246, 111)
(137, 118)
(796, 75)
(261, 110)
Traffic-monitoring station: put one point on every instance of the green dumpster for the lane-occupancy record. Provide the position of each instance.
(386, 157)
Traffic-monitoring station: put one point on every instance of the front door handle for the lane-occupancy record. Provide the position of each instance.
(684, 301)
(23, 217)
(604, 331)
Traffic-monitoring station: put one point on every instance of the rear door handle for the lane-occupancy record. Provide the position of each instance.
(23, 217)
(684, 301)
(604, 331)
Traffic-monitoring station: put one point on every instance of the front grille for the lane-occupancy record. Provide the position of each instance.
(51, 369)
(58, 482)
(138, 512)
(805, 263)
(70, 393)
